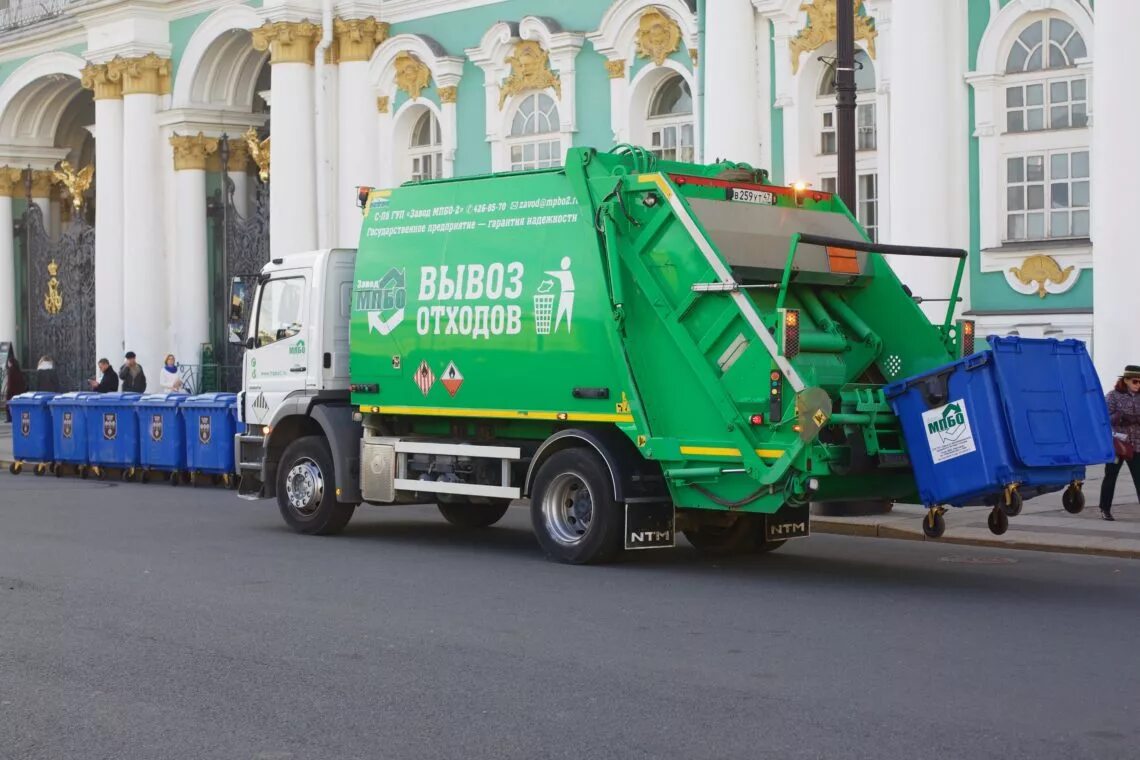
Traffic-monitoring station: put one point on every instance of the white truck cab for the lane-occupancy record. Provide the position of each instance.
(295, 373)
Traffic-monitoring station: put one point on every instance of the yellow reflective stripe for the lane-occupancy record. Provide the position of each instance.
(713, 451)
(502, 414)
(659, 180)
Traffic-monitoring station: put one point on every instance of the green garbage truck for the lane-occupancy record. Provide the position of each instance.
(637, 346)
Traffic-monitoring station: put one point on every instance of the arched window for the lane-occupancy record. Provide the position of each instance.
(425, 149)
(535, 142)
(1044, 93)
(866, 137)
(866, 140)
(1046, 183)
(670, 120)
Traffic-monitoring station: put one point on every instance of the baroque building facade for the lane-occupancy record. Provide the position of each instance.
(996, 126)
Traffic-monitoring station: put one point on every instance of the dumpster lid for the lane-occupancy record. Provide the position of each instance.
(31, 396)
(162, 399)
(212, 399)
(1053, 402)
(73, 397)
(104, 399)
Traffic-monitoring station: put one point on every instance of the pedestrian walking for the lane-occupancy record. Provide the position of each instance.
(14, 383)
(169, 379)
(1124, 413)
(46, 377)
(132, 375)
(108, 381)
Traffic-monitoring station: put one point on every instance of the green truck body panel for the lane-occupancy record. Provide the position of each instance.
(532, 302)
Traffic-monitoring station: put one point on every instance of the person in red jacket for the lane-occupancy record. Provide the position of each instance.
(1124, 414)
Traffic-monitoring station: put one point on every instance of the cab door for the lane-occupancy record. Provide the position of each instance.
(277, 363)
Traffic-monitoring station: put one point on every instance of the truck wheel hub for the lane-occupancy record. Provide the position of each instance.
(305, 486)
(568, 508)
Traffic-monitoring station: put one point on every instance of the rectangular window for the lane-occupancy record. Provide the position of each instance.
(427, 166)
(866, 200)
(1058, 104)
(541, 154)
(866, 138)
(673, 142)
(1047, 196)
(828, 141)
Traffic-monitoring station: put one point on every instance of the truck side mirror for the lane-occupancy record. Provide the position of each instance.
(236, 320)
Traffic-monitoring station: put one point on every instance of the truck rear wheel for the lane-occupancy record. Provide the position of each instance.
(470, 515)
(746, 535)
(306, 490)
(573, 511)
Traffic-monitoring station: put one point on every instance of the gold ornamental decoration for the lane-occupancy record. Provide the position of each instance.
(259, 152)
(820, 29)
(615, 69)
(287, 41)
(412, 74)
(76, 182)
(53, 300)
(448, 94)
(530, 70)
(658, 36)
(1040, 269)
(382, 104)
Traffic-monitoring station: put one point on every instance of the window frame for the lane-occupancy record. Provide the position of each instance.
(256, 322)
(829, 183)
(537, 140)
(433, 151)
(1047, 181)
(659, 125)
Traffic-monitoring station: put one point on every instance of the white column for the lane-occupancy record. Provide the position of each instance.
(109, 220)
(1115, 192)
(190, 301)
(9, 184)
(292, 177)
(241, 191)
(144, 273)
(41, 195)
(732, 115)
(928, 171)
(358, 147)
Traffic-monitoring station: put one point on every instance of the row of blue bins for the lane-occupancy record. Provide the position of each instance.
(177, 435)
(1022, 418)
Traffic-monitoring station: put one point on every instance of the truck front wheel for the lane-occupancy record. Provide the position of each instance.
(470, 515)
(306, 489)
(572, 509)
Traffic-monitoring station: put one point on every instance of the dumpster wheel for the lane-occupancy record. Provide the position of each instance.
(41, 469)
(1012, 501)
(998, 521)
(129, 475)
(175, 478)
(16, 468)
(1073, 500)
(934, 524)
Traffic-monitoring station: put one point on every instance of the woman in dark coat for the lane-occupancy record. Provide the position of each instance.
(14, 384)
(1124, 413)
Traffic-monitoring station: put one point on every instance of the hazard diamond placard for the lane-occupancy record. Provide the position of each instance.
(424, 377)
(452, 378)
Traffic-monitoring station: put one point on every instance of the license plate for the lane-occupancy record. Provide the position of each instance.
(745, 195)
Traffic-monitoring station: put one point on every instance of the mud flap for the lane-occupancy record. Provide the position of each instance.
(789, 522)
(649, 524)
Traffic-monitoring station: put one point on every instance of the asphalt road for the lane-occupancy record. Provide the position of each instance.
(158, 623)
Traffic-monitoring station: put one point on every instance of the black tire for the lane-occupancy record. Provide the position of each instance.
(998, 522)
(469, 515)
(725, 540)
(937, 529)
(572, 509)
(175, 479)
(15, 468)
(40, 470)
(1012, 505)
(309, 463)
(1073, 500)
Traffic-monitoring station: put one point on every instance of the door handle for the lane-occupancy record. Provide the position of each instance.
(298, 369)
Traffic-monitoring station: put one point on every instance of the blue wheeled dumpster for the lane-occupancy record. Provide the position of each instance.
(1018, 420)
(211, 421)
(31, 432)
(162, 440)
(113, 433)
(69, 431)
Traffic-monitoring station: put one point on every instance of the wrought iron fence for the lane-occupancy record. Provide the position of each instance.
(19, 13)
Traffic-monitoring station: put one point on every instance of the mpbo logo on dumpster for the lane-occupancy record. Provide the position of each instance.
(948, 431)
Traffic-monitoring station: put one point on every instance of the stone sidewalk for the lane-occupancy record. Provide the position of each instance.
(1043, 524)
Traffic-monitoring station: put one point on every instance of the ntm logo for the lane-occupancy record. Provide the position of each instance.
(950, 425)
